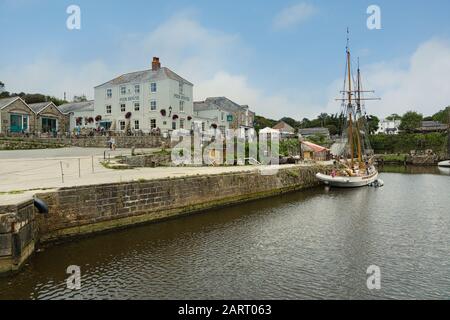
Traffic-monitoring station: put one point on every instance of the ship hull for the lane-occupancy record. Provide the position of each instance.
(444, 164)
(347, 182)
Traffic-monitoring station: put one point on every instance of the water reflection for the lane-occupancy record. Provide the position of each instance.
(313, 244)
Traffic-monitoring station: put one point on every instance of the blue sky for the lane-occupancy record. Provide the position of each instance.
(283, 58)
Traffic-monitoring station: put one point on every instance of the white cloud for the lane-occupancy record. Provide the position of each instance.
(293, 15)
(419, 83)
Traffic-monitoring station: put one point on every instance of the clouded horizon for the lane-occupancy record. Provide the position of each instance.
(280, 58)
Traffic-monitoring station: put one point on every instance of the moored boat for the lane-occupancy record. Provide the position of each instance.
(444, 164)
(354, 159)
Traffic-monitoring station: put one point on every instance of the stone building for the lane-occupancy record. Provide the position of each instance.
(285, 129)
(49, 119)
(16, 116)
(229, 114)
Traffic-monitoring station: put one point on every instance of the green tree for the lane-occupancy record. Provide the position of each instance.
(411, 121)
(442, 116)
(372, 124)
(394, 116)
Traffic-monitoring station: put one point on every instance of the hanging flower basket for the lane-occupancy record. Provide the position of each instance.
(163, 112)
(91, 120)
(189, 118)
(175, 117)
(79, 121)
(128, 115)
(214, 126)
(98, 118)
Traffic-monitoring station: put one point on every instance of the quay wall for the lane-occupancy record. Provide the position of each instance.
(18, 235)
(84, 210)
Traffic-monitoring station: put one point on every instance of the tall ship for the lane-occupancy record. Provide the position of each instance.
(353, 155)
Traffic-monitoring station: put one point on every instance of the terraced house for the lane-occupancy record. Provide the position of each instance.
(49, 118)
(16, 116)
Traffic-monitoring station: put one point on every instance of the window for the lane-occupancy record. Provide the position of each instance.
(164, 123)
(153, 87)
(203, 126)
(122, 125)
(180, 87)
(181, 123)
(181, 106)
(109, 93)
(137, 106)
(137, 89)
(123, 90)
(136, 124)
(152, 124)
(222, 116)
(174, 125)
(123, 107)
(153, 105)
(108, 109)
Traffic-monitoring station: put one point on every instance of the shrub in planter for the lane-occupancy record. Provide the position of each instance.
(98, 118)
(163, 112)
(79, 121)
(90, 120)
(189, 118)
(128, 115)
(175, 117)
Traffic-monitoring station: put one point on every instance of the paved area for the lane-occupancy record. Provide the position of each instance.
(48, 169)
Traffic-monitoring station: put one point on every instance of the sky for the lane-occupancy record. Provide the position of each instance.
(282, 58)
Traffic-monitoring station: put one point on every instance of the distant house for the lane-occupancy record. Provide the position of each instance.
(431, 126)
(80, 114)
(311, 151)
(285, 129)
(16, 116)
(389, 127)
(49, 119)
(308, 132)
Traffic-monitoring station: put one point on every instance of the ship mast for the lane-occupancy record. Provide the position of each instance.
(358, 103)
(349, 107)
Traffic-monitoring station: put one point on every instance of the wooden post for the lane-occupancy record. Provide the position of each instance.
(62, 172)
(92, 162)
(79, 168)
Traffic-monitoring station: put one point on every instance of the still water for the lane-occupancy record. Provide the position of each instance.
(313, 244)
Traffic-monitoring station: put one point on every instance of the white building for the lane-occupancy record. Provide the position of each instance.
(388, 126)
(224, 113)
(145, 100)
(81, 114)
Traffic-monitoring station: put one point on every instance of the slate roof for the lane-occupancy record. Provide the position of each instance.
(283, 126)
(6, 101)
(218, 103)
(38, 107)
(77, 107)
(143, 76)
(314, 131)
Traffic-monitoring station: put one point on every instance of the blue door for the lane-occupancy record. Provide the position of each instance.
(16, 123)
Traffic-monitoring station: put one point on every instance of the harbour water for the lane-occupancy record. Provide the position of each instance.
(313, 244)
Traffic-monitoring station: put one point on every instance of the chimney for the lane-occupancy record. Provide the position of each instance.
(156, 65)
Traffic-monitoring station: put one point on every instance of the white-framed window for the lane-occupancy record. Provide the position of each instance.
(137, 89)
(181, 106)
(153, 87)
(203, 126)
(181, 123)
(123, 107)
(222, 115)
(109, 93)
(108, 109)
(174, 125)
(153, 105)
(152, 123)
(123, 90)
(180, 87)
(122, 125)
(136, 124)
(137, 106)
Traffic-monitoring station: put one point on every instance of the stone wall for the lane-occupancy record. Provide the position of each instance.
(17, 235)
(148, 160)
(83, 210)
